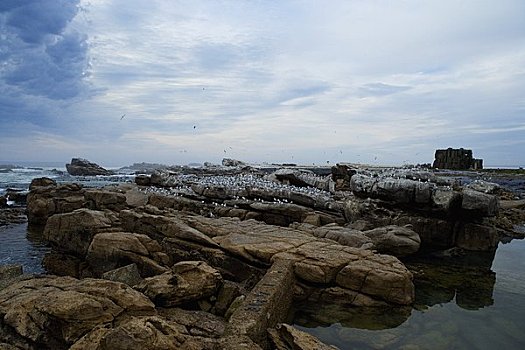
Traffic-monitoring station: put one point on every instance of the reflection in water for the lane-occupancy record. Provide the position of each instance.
(20, 244)
(441, 281)
(470, 301)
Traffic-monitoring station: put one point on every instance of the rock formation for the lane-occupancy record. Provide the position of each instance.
(214, 261)
(456, 159)
(83, 167)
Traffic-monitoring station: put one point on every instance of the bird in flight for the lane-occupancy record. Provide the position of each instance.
(123, 115)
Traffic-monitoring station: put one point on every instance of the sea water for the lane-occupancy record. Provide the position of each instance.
(461, 307)
(23, 244)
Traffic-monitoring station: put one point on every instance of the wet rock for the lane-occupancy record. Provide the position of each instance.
(55, 312)
(477, 237)
(433, 232)
(286, 337)
(83, 167)
(188, 281)
(109, 250)
(16, 195)
(128, 274)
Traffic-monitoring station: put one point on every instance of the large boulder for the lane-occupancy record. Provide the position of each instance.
(380, 276)
(110, 250)
(187, 281)
(55, 312)
(46, 198)
(83, 167)
(73, 232)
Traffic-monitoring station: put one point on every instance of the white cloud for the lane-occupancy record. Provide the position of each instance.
(345, 80)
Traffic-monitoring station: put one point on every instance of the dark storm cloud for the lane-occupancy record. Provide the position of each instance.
(40, 55)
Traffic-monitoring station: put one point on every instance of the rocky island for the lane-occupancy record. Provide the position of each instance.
(214, 257)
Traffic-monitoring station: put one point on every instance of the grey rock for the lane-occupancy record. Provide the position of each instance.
(128, 274)
(83, 167)
(484, 186)
(446, 199)
(394, 240)
(480, 203)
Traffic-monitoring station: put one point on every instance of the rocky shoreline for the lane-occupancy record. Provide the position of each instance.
(214, 259)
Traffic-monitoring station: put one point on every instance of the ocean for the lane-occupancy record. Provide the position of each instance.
(18, 176)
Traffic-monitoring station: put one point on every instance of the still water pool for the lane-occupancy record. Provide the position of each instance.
(20, 244)
(458, 306)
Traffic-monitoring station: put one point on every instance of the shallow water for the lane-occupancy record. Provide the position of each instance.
(457, 307)
(22, 245)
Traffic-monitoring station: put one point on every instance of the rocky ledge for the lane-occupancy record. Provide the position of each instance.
(196, 261)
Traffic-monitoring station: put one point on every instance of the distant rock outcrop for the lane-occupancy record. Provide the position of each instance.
(83, 167)
(456, 159)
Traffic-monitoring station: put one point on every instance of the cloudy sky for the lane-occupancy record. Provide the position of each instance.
(372, 81)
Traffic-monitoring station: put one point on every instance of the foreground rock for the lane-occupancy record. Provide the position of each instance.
(56, 312)
(83, 167)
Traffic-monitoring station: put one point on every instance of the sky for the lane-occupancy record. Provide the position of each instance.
(362, 81)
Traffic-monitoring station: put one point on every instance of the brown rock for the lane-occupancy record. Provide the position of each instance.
(44, 201)
(197, 323)
(188, 281)
(380, 276)
(110, 250)
(104, 199)
(147, 332)
(266, 305)
(55, 312)
(128, 274)
(286, 337)
(73, 232)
